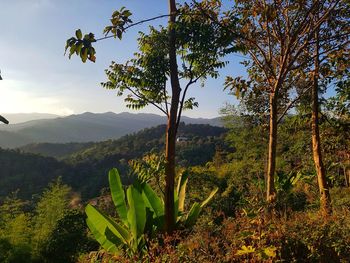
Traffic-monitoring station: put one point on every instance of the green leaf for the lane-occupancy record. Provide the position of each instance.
(155, 204)
(114, 239)
(181, 190)
(101, 238)
(211, 195)
(176, 207)
(152, 200)
(119, 33)
(84, 54)
(149, 221)
(78, 34)
(72, 50)
(193, 214)
(118, 195)
(136, 213)
(78, 48)
(98, 223)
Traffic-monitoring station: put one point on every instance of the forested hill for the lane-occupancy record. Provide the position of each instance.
(149, 139)
(86, 170)
(85, 127)
(56, 150)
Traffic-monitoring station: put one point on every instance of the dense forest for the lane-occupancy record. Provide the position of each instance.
(272, 185)
(232, 225)
(84, 166)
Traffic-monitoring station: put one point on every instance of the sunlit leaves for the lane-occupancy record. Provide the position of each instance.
(237, 86)
(120, 20)
(190, 103)
(245, 250)
(142, 78)
(78, 34)
(81, 46)
(201, 43)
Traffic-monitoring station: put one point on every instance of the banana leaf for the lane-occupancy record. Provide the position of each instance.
(98, 224)
(155, 204)
(118, 194)
(136, 213)
(181, 190)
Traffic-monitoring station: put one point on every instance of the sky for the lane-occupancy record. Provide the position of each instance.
(37, 77)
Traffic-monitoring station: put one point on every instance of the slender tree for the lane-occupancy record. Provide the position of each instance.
(190, 38)
(316, 141)
(275, 35)
(330, 44)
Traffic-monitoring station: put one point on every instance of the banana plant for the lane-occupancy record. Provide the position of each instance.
(140, 212)
(190, 218)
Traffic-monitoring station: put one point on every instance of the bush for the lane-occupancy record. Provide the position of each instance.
(68, 239)
(302, 238)
(13, 253)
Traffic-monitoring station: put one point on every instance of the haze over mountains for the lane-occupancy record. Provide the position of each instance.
(85, 127)
(15, 118)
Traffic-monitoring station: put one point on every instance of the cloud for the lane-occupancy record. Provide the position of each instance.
(15, 100)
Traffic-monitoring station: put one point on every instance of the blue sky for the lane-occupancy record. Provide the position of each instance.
(38, 78)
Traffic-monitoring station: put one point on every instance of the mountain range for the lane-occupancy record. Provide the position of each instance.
(85, 127)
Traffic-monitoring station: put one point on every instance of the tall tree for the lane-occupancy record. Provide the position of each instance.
(171, 126)
(316, 141)
(275, 35)
(188, 37)
(330, 44)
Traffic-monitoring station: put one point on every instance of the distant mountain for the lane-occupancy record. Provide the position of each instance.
(86, 127)
(14, 118)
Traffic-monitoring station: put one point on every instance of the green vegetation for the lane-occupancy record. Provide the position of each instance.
(84, 170)
(281, 179)
(56, 150)
(141, 215)
(43, 230)
(235, 226)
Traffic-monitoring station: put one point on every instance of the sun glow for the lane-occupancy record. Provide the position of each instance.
(17, 99)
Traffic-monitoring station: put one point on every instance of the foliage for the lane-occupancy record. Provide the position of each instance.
(56, 150)
(36, 232)
(15, 231)
(82, 170)
(70, 229)
(51, 207)
(141, 214)
(254, 239)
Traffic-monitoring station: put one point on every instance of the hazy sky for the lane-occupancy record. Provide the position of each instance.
(38, 78)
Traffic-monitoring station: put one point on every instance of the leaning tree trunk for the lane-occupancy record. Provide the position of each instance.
(325, 197)
(171, 126)
(271, 162)
(2, 119)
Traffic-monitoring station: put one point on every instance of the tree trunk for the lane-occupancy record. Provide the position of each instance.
(271, 162)
(325, 197)
(171, 126)
(346, 176)
(2, 119)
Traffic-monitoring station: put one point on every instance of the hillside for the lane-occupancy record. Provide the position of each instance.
(86, 127)
(56, 150)
(149, 139)
(85, 170)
